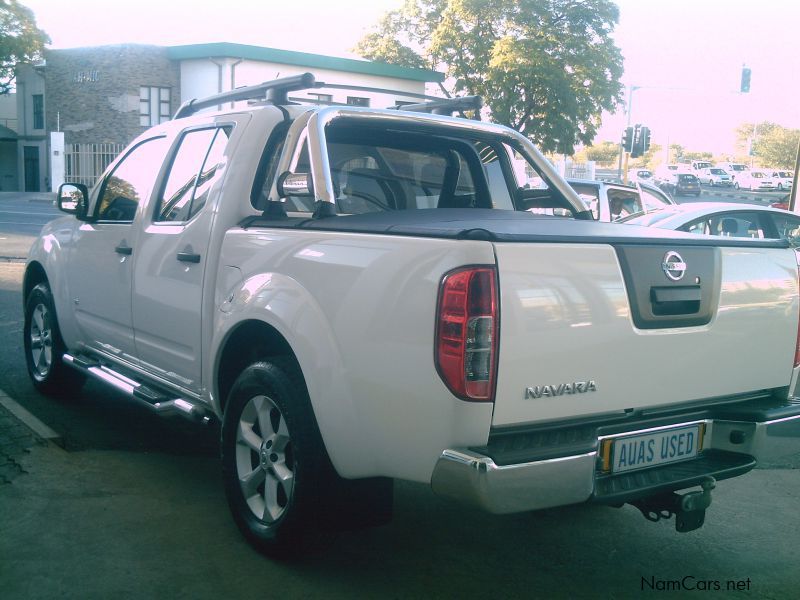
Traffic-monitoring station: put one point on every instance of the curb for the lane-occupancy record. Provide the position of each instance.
(34, 424)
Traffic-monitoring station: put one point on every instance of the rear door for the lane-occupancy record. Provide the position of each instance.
(170, 267)
(590, 329)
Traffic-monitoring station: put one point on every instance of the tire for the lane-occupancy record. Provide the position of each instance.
(735, 185)
(44, 347)
(780, 187)
(281, 487)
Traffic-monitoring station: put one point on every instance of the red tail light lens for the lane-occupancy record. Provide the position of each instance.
(466, 333)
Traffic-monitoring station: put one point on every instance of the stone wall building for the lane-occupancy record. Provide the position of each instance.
(79, 109)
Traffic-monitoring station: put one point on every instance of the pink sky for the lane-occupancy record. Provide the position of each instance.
(695, 45)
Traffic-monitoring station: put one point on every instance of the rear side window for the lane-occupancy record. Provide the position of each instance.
(193, 171)
(131, 181)
(788, 227)
(738, 224)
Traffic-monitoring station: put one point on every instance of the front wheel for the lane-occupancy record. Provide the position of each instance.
(44, 347)
(780, 187)
(736, 185)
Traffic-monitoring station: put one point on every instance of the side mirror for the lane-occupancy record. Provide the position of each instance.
(295, 184)
(73, 199)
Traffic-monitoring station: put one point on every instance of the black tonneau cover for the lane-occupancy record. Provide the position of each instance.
(501, 226)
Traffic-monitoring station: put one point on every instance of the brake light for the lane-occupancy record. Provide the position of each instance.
(466, 333)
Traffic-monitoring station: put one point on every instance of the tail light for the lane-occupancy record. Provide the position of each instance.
(466, 333)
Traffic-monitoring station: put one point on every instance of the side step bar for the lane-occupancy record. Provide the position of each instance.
(152, 399)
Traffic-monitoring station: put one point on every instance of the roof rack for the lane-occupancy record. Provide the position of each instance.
(275, 91)
(444, 106)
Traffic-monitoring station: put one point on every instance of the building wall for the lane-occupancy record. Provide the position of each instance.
(204, 77)
(93, 93)
(30, 82)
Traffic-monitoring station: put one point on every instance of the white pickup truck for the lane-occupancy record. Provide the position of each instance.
(359, 295)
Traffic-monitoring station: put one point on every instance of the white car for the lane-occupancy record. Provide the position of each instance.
(754, 180)
(641, 175)
(714, 176)
(726, 219)
(784, 180)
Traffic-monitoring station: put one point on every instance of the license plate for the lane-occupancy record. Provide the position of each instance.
(655, 448)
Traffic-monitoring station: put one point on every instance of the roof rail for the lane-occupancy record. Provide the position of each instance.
(275, 91)
(444, 106)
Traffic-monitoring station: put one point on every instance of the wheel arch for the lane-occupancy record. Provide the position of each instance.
(34, 275)
(259, 340)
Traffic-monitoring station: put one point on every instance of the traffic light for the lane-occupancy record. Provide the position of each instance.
(745, 87)
(627, 139)
(636, 146)
(644, 135)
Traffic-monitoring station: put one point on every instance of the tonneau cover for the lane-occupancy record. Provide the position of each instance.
(501, 226)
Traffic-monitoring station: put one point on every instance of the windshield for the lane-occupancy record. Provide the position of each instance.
(718, 172)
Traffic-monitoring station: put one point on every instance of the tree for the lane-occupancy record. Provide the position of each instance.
(772, 146)
(20, 40)
(603, 153)
(547, 68)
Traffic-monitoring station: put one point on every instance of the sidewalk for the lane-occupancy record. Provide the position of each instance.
(43, 197)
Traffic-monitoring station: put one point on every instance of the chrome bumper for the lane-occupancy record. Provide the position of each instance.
(475, 478)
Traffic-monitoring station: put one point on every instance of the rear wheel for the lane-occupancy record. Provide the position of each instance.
(44, 347)
(281, 486)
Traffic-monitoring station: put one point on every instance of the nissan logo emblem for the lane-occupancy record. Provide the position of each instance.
(673, 266)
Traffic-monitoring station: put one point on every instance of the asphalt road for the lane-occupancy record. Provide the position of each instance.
(21, 219)
(132, 506)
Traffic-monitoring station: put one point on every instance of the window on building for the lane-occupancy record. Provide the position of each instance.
(321, 98)
(194, 170)
(356, 101)
(154, 103)
(38, 111)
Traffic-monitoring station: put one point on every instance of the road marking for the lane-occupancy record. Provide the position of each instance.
(32, 422)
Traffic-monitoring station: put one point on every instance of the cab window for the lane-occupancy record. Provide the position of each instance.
(131, 181)
(193, 171)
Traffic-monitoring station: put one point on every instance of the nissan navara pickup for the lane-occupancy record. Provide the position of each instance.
(358, 295)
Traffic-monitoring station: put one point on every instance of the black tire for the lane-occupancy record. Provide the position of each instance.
(270, 438)
(735, 185)
(780, 187)
(44, 347)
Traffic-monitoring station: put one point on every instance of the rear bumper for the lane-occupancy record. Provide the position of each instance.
(732, 447)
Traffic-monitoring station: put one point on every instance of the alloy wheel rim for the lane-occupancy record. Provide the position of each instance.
(41, 340)
(265, 463)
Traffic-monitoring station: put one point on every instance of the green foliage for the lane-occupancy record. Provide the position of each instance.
(773, 145)
(547, 68)
(20, 40)
(604, 153)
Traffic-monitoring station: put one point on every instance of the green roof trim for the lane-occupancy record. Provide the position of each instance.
(301, 59)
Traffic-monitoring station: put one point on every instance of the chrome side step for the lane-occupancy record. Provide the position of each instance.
(156, 401)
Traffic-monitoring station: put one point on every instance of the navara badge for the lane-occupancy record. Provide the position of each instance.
(673, 266)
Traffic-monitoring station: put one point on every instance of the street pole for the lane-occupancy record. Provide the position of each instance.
(631, 89)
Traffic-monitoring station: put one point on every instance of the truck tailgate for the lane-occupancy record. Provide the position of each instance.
(599, 328)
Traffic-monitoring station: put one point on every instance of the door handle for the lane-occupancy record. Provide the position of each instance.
(124, 250)
(188, 257)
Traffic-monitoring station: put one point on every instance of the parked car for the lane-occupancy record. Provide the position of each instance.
(681, 184)
(641, 175)
(715, 176)
(754, 180)
(733, 168)
(612, 201)
(728, 219)
(784, 180)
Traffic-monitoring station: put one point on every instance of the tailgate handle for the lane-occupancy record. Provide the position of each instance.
(675, 300)
(188, 257)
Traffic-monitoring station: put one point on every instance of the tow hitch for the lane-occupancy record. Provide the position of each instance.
(689, 509)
